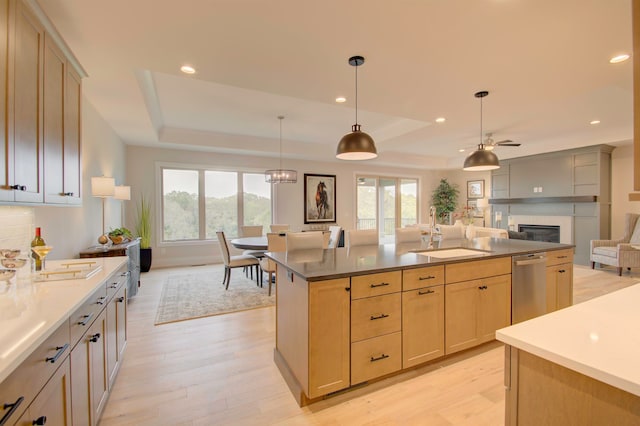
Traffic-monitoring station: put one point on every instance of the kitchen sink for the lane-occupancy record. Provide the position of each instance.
(453, 252)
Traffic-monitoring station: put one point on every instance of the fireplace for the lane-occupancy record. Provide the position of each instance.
(546, 233)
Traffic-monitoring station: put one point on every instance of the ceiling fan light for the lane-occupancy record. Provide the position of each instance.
(481, 160)
(356, 145)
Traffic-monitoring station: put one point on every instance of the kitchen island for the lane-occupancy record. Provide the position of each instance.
(576, 366)
(62, 336)
(349, 316)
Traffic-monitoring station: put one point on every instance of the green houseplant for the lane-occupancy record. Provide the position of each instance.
(120, 235)
(143, 229)
(445, 199)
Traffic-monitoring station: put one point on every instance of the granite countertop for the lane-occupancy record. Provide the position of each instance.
(316, 265)
(599, 338)
(31, 311)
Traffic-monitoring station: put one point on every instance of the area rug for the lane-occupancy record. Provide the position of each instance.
(201, 294)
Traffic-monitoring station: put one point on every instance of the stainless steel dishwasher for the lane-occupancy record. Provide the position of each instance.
(528, 286)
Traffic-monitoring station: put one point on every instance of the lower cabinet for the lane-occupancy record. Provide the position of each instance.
(116, 332)
(559, 286)
(52, 406)
(475, 310)
(422, 325)
(89, 381)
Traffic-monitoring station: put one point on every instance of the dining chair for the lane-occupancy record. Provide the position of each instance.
(279, 228)
(251, 231)
(276, 243)
(334, 236)
(362, 237)
(408, 235)
(305, 240)
(230, 262)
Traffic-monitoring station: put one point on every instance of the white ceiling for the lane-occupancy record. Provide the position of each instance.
(544, 62)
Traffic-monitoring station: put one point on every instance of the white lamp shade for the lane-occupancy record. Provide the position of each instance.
(482, 203)
(122, 192)
(103, 186)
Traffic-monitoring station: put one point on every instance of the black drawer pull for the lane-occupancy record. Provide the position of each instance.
(120, 299)
(94, 338)
(562, 271)
(18, 187)
(12, 408)
(42, 420)
(60, 350)
(100, 300)
(87, 319)
(429, 277)
(562, 257)
(482, 287)
(347, 289)
(422, 293)
(114, 285)
(68, 194)
(383, 356)
(124, 274)
(379, 285)
(379, 317)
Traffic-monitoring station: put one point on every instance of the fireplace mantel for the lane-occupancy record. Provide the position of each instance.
(541, 200)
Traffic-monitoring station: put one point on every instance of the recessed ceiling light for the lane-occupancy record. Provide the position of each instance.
(619, 58)
(461, 150)
(341, 99)
(595, 122)
(188, 69)
(440, 120)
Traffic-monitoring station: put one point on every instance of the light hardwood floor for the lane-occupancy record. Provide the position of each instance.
(220, 370)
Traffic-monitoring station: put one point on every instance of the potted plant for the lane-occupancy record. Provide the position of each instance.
(120, 235)
(445, 199)
(143, 229)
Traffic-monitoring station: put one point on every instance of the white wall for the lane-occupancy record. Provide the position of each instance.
(72, 229)
(621, 186)
(142, 169)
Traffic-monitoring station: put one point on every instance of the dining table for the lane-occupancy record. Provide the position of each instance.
(250, 243)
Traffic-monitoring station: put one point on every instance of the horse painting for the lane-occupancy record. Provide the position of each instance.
(322, 204)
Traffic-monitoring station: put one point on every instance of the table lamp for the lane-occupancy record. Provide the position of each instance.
(122, 193)
(103, 187)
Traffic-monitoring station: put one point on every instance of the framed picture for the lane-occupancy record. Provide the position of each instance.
(473, 205)
(319, 198)
(475, 188)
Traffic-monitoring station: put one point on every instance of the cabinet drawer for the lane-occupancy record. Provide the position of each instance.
(376, 357)
(27, 380)
(375, 316)
(376, 284)
(557, 257)
(81, 319)
(413, 279)
(117, 280)
(476, 269)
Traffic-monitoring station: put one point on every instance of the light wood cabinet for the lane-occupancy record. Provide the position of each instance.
(53, 403)
(116, 330)
(559, 276)
(25, 106)
(475, 310)
(89, 381)
(329, 330)
(422, 325)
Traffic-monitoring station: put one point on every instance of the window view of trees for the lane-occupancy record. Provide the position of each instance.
(228, 198)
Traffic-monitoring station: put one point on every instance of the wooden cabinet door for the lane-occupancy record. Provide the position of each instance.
(552, 288)
(53, 131)
(329, 331)
(26, 46)
(494, 306)
(461, 321)
(116, 332)
(559, 286)
(80, 394)
(99, 384)
(53, 403)
(72, 140)
(121, 321)
(422, 325)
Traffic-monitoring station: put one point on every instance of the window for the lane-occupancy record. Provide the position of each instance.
(197, 203)
(386, 203)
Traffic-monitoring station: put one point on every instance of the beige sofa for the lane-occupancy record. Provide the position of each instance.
(459, 231)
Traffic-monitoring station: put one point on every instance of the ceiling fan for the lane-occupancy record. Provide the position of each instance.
(490, 144)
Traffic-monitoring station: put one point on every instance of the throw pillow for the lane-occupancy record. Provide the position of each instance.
(514, 235)
(635, 237)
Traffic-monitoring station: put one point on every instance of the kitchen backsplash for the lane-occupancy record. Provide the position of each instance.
(18, 228)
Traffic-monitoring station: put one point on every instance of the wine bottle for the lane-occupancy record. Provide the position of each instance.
(37, 241)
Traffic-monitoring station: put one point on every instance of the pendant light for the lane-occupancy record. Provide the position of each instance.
(482, 159)
(356, 145)
(281, 175)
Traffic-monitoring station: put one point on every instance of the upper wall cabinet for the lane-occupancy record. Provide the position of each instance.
(570, 173)
(41, 159)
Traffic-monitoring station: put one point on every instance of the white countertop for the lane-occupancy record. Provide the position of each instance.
(31, 311)
(599, 338)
